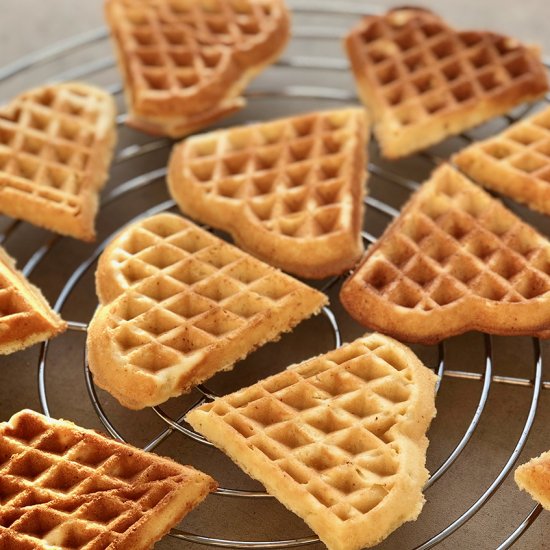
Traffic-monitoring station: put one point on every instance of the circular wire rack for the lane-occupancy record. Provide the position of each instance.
(336, 67)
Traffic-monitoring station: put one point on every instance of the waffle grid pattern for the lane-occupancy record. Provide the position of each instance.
(328, 428)
(417, 69)
(179, 45)
(323, 422)
(183, 297)
(67, 487)
(293, 174)
(13, 306)
(458, 242)
(46, 143)
(185, 63)
(290, 191)
(188, 291)
(25, 315)
(436, 69)
(520, 155)
(452, 255)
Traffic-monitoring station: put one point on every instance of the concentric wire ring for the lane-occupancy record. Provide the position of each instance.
(136, 184)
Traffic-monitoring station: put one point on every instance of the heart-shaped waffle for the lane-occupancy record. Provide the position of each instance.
(56, 145)
(178, 305)
(423, 80)
(339, 439)
(25, 316)
(186, 62)
(290, 191)
(515, 162)
(454, 260)
(62, 486)
(534, 477)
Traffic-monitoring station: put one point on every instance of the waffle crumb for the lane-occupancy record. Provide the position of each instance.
(534, 477)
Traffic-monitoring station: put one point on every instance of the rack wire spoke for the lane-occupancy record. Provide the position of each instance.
(522, 527)
(440, 371)
(490, 491)
(13, 225)
(225, 543)
(175, 424)
(52, 52)
(487, 377)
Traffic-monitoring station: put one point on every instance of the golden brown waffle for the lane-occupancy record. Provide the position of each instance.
(290, 191)
(185, 63)
(25, 316)
(423, 81)
(454, 260)
(516, 162)
(56, 145)
(178, 305)
(62, 486)
(534, 477)
(339, 439)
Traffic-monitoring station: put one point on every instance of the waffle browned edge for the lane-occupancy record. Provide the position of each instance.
(520, 187)
(176, 117)
(49, 215)
(337, 255)
(406, 507)
(152, 527)
(534, 478)
(108, 289)
(490, 172)
(437, 127)
(42, 323)
(438, 325)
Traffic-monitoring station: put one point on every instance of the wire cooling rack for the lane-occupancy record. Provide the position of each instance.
(312, 75)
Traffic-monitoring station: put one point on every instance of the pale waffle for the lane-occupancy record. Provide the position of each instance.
(290, 191)
(62, 486)
(515, 162)
(25, 316)
(178, 305)
(56, 145)
(534, 477)
(185, 62)
(339, 439)
(423, 80)
(454, 260)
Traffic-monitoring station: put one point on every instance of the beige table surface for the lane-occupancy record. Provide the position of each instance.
(26, 25)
